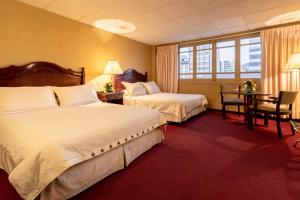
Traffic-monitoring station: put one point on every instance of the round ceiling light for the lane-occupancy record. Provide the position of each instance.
(284, 18)
(115, 25)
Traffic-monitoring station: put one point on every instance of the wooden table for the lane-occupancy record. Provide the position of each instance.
(114, 97)
(249, 98)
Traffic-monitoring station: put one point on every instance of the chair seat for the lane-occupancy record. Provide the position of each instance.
(269, 107)
(233, 101)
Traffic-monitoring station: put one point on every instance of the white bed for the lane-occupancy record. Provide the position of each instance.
(174, 107)
(57, 141)
(56, 153)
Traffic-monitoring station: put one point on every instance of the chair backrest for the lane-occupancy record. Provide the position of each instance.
(287, 97)
(229, 88)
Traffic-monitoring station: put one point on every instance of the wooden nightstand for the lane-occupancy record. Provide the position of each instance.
(114, 97)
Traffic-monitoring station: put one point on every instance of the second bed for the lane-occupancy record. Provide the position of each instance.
(173, 107)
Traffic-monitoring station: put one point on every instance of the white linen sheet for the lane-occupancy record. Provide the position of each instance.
(66, 135)
(174, 107)
(85, 174)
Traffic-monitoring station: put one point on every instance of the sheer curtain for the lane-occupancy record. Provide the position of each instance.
(167, 68)
(278, 45)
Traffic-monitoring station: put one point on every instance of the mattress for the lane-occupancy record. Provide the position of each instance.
(70, 137)
(173, 107)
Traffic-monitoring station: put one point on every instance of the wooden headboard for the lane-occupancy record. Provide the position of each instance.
(40, 74)
(131, 76)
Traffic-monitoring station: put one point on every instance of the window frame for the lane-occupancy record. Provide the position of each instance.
(192, 73)
(214, 73)
(261, 65)
(196, 61)
(235, 56)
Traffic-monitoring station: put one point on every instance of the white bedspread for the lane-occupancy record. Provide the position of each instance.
(182, 106)
(36, 147)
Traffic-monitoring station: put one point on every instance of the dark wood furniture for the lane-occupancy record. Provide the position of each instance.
(131, 76)
(230, 101)
(296, 127)
(249, 99)
(277, 106)
(40, 74)
(115, 97)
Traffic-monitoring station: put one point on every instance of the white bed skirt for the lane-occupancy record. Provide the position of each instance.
(83, 175)
(173, 118)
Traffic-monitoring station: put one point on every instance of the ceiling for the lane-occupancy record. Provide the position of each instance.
(168, 21)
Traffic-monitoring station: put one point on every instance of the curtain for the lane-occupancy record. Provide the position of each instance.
(278, 45)
(167, 68)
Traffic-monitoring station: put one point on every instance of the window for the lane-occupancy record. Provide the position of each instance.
(186, 62)
(250, 58)
(234, 58)
(204, 61)
(226, 59)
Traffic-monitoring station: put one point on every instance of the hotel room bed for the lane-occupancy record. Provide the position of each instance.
(55, 153)
(173, 107)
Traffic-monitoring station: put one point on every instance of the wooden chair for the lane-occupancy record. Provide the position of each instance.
(230, 89)
(296, 127)
(276, 106)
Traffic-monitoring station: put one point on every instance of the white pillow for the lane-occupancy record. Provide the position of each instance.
(134, 89)
(151, 87)
(76, 95)
(15, 99)
(125, 92)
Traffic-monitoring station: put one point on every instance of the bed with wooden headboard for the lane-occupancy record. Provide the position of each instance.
(174, 107)
(84, 126)
(130, 76)
(40, 74)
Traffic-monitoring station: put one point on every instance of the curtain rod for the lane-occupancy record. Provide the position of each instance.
(258, 30)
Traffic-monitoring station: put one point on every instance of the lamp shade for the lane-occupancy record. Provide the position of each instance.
(293, 63)
(112, 68)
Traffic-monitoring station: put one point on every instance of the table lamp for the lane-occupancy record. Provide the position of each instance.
(293, 63)
(112, 68)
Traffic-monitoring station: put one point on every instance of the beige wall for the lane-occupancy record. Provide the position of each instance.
(211, 89)
(30, 34)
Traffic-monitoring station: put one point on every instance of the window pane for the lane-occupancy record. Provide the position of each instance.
(186, 62)
(204, 61)
(185, 76)
(204, 58)
(225, 76)
(251, 58)
(226, 58)
(204, 46)
(204, 76)
(185, 49)
(226, 44)
(250, 40)
(250, 75)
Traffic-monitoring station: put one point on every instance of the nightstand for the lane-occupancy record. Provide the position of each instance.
(114, 97)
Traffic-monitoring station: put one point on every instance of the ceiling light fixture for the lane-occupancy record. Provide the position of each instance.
(284, 18)
(115, 25)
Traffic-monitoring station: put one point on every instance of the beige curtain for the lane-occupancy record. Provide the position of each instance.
(167, 68)
(278, 45)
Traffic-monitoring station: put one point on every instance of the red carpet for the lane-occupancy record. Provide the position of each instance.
(205, 158)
